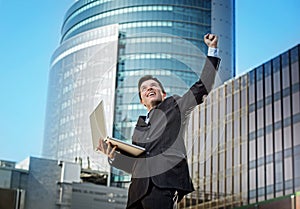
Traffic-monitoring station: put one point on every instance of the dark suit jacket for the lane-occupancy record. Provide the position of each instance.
(165, 161)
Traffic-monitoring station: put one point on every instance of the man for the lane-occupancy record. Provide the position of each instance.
(160, 175)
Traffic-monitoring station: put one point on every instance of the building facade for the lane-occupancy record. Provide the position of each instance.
(83, 72)
(162, 38)
(51, 184)
(243, 141)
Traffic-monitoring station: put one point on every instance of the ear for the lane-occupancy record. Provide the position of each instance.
(164, 95)
(141, 101)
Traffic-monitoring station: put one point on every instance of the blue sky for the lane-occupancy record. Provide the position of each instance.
(30, 32)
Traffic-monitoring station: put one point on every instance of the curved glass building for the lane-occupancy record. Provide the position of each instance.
(107, 45)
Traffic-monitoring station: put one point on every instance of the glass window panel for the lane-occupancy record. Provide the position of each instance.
(244, 184)
(236, 101)
(229, 133)
(267, 69)
(222, 183)
(295, 54)
(243, 97)
(237, 154)
(279, 187)
(260, 118)
(252, 176)
(222, 162)
(208, 168)
(252, 199)
(229, 103)
(236, 127)
(259, 89)
(286, 107)
(251, 94)
(208, 114)
(278, 140)
(259, 73)
(296, 166)
(276, 82)
(278, 176)
(296, 134)
(261, 193)
(295, 72)
(244, 128)
(260, 147)
(295, 64)
(244, 153)
(269, 115)
(270, 191)
(269, 144)
(288, 172)
(277, 111)
(268, 86)
(252, 127)
(236, 183)
(276, 64)
(229, 185)
(296, 105)
(252, 152)
(261, 178)
(287, 137)
(229, 154)
(285, 70)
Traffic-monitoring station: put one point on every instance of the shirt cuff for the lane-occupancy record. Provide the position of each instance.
(111, 160)
(213, 52)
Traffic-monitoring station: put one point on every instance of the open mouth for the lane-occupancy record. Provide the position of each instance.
(151, 94)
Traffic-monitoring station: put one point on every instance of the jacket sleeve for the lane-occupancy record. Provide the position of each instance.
(202, 87)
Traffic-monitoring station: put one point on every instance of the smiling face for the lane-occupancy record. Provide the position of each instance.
(151, 94)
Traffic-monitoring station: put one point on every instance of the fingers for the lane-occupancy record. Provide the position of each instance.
(211, 40)
(106, 148)
(101, 146)
(110, 151)
(107, 151)
(212, 37)
(209, 36)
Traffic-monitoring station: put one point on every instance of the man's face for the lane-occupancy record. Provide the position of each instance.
(151, 94)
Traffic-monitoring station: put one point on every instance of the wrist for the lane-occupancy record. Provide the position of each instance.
(213, 45)
(214, 52)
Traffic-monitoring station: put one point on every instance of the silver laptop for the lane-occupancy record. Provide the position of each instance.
(99, 131)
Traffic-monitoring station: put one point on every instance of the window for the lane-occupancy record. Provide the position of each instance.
(277, 111)
(296, 105)
(276, 81)
(285, 71)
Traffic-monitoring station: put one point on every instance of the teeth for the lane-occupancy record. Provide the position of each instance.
(151, 94)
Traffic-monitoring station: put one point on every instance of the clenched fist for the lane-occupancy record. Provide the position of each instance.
(211, 40)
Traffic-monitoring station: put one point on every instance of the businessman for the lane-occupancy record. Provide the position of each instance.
(160, 176)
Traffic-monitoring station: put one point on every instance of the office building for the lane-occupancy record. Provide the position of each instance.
(51, 184)
(106, 45)
(243, 141)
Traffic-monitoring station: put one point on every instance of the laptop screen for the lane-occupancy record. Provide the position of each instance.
(98, 124)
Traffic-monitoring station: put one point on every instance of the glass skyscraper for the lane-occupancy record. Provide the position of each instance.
(243, 141)
(107, 45)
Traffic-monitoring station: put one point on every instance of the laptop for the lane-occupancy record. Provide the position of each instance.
(99, 131)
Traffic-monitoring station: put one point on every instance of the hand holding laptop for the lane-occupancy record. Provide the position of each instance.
(105, 144)
(107, 148)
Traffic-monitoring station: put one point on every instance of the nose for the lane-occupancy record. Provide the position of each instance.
(149, 88)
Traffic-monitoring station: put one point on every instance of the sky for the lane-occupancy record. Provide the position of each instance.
(30, 33)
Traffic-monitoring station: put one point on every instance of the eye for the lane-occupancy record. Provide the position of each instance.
(154, 85)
